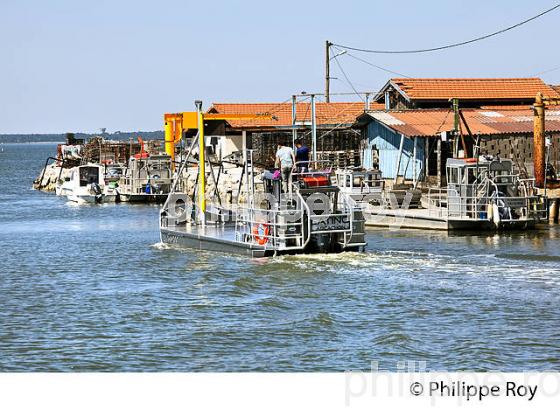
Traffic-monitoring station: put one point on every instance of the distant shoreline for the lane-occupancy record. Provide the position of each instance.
(30, 142)
(60, 138)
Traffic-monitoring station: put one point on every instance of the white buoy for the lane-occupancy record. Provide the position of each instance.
(496, 214)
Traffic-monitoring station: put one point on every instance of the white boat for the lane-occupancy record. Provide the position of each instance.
(86, 184)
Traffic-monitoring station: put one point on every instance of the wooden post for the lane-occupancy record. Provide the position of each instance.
(399, 159)
(414, 176)
(538, 142)
(426, 157)
(455, 127)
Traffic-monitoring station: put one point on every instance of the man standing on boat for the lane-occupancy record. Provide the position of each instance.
(285, 160)
(302, 156)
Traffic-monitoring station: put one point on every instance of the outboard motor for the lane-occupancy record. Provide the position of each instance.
(96, 190)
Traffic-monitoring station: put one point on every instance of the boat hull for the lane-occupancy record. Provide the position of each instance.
(84, 199)
(195, 240)
(152, 198)
(222, 239)
(415, 219)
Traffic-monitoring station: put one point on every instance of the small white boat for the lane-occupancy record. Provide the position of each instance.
(86, 184)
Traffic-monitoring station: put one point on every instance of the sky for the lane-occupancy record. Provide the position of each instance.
(77, 66)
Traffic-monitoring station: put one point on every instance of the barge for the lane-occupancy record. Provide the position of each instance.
(481, 194)
(313, 216)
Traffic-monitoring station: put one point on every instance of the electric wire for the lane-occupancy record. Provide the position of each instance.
(545, 71)
(375, 65)
(347, 79)
(444, 47)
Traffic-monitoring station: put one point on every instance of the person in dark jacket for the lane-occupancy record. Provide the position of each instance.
(302, 156)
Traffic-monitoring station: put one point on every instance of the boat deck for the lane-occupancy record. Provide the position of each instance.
(219, 237)
(423, 218)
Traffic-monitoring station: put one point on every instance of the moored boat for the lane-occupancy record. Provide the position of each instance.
(481, 194)
(86, 184)
(148, 178)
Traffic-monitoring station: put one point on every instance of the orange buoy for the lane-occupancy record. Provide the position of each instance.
(260, 233)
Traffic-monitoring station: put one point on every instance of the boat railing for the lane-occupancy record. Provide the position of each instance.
(177, 176)
(312, 167)
(350, 206)
(528, 185)
(367, 184)
(447, 203)
(138, 185)
(274, 229)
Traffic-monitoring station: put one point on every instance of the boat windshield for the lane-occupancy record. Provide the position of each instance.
(89, 175)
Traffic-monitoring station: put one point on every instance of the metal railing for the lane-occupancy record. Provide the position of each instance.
(280, 227)
(136, 186)
(177, 176)
(351, 206)
(447, 203)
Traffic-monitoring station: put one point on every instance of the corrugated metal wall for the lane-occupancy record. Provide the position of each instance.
(387, 142)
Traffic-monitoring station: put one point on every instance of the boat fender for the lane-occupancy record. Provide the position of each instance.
(260, 233)
(496, 214)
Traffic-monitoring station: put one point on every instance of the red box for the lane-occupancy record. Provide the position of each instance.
(314, 181)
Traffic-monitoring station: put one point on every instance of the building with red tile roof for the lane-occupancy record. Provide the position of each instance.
(504, 131)
(262, 134)
(334, 114)
(429, 123)
(400, 93)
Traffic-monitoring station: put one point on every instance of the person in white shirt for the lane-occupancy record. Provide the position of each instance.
(285, 160)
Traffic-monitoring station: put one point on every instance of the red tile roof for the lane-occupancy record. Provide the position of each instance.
(326, 113)
(429, 123)
(471, 88)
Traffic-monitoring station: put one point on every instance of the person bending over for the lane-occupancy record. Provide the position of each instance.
(285, 160)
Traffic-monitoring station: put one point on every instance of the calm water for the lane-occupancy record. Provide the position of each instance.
(88, 288)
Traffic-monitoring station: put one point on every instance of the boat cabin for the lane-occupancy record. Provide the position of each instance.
(147, 178)
(359, 183)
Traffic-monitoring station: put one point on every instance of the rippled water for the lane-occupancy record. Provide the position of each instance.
(88, 288)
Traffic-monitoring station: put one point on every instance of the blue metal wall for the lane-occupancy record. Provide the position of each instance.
(387, 143)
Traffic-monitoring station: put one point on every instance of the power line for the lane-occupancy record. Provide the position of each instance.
(545, 71)
(347, 79)
(462, 43)
(375, 65)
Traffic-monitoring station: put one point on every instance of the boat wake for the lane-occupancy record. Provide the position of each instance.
(160, 246)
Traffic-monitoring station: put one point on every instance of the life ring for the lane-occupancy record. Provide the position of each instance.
(260, 233)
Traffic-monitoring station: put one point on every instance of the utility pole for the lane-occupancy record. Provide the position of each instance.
(313, 129)
(456, 127)
(327, 71)
(201, 163)
(294, 130)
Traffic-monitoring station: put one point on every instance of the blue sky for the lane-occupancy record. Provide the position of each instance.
(72, 65)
